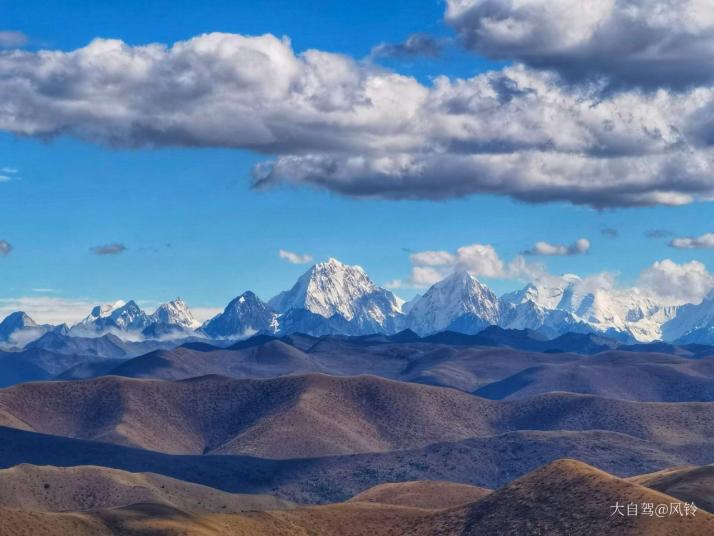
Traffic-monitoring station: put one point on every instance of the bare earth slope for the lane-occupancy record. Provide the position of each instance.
(563, 498)
(487, 462)
(568, 497)
(694, 484)
(429, 494)
(492, 372)
(319, 415)
(297, 416)
(59, 489)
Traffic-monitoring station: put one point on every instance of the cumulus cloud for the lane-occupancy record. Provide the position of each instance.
(624, 43)
(578, 247)
(108, 249)
(705, 241)
(5, 248)
(666, 281)
(361, 130)
(12, 39)
(295, 258)
(480, 260)
(418, 44)
(684, 283)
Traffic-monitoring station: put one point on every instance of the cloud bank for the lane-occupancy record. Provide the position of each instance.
(620, 43)
(294, 258)
(665, 280)
(705, 241)
(683, 283)
(329, 121)
(12, 39)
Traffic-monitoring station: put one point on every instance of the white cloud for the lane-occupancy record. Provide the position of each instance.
(665, 280)
(205, 313)
(7, 173)
(578, 247)
(688, 282)
(705, 241)
(364, 131)
(12, 39)
(664, 43)
(295, 258)
(47, 309)
(480, 260)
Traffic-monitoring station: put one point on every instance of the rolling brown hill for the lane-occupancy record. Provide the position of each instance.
(429, 494)
(568, 498)
(495, 372)
(693, 484)
(149, 519)
(319, 415)
(483, 461)
(61, 489)
(297, 416)
(266, 360)
(623, 375)
(565, 497)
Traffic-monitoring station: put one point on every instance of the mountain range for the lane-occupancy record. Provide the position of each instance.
(334, 298)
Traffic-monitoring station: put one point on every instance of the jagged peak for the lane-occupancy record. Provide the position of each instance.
(175, 312)
(18, 319)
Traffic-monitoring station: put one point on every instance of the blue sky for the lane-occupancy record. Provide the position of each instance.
(191, 222)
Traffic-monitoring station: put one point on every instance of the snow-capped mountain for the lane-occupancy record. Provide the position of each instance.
(335, 298)
(119, 317)
(170, 320)
(569, 305)
(532, 316)
(458, 303)
(547, 297)
(18, 329)
(244, 316)
(693, 323)
(128, 321)
(332, 289)
(175, 313)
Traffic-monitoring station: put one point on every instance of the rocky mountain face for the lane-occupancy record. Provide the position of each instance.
(569, 305)
(171, 319)
(246, 315)
(18, 329)
(458, 303)
(119, 317)
(335, 298)
(333, 289)
(693, 323)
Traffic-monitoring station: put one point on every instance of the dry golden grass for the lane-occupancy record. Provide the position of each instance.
(689, 483)
(60, 489)
(422, 494)
(565, 497)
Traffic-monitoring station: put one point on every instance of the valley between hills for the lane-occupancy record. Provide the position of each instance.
(491, 431)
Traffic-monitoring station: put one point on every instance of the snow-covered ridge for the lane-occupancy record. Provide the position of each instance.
(458, 298)
(335, 298)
